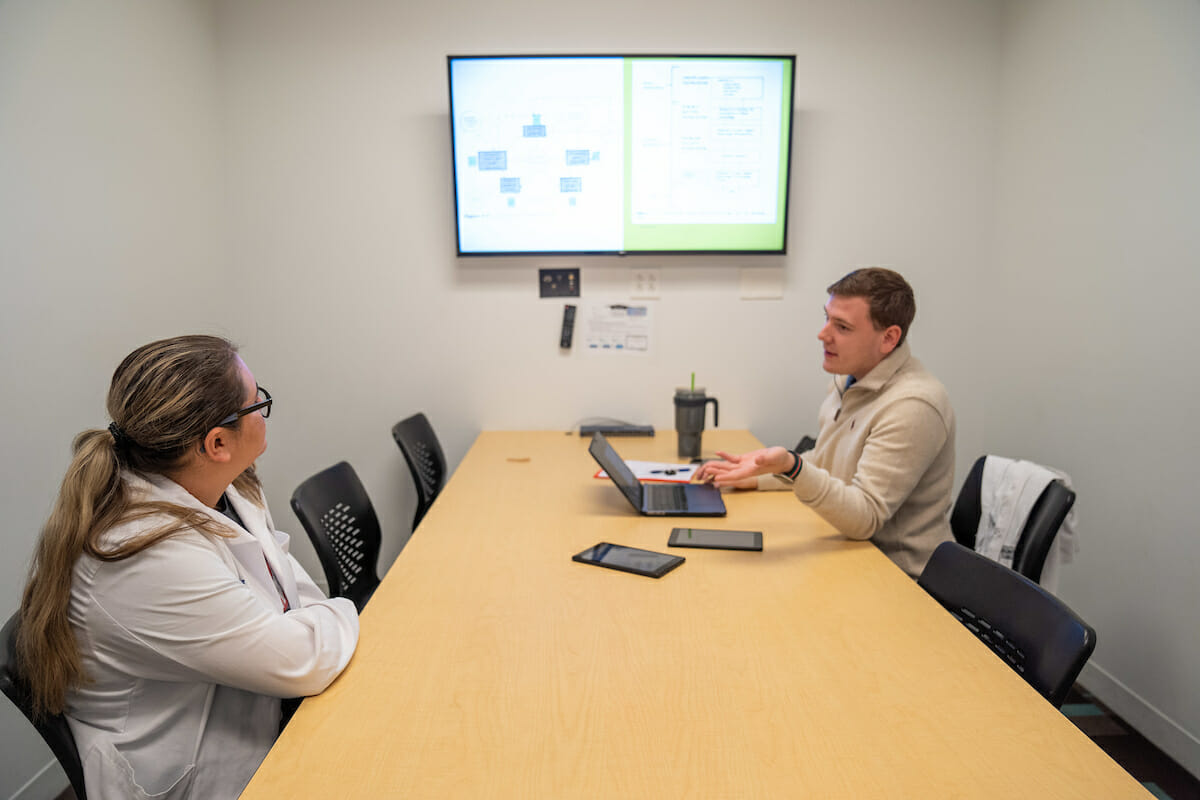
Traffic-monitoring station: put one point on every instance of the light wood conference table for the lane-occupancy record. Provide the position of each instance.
(491, 665)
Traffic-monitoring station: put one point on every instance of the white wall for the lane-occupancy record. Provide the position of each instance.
(340, 222)
(278, 172)
(1094, 292)
(109, 238)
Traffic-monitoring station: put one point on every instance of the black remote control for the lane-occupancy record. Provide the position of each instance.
(568, 327)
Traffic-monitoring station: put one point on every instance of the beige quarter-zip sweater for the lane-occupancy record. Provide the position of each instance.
(883, 465)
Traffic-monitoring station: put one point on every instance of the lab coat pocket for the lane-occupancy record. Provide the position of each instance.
(109, 774)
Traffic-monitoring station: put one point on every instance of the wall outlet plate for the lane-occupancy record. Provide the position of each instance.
(644, 283)
(558, 282)
(760, 283)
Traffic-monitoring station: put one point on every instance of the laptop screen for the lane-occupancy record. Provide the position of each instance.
(621, 474)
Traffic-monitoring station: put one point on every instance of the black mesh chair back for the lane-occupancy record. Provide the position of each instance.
(968, 506)
(1032, 630)
(53, 729)
(340, 521)
(1045, 518)
(423, 452)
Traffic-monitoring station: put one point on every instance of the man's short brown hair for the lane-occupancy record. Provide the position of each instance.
(889, 296)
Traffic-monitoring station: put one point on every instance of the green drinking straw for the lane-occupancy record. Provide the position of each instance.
(693, 381)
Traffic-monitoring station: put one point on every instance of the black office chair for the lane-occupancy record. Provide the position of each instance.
(1045, 518)
(340, 521)
(1032, 630)
(53, 729)
(421, 450)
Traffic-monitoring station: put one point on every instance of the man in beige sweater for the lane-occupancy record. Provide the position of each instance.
(883, 465)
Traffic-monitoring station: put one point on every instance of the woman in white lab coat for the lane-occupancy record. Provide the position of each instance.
(163, 612)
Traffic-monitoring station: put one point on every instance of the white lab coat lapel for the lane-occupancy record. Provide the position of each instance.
(269, 543)
(251, 567)
(251, 543)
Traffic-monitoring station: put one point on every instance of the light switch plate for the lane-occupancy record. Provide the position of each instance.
(558, 282)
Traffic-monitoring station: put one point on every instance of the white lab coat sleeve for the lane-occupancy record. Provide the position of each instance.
(180, 610)
(308, 590)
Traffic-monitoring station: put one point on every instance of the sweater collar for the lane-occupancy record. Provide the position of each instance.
(883, 372)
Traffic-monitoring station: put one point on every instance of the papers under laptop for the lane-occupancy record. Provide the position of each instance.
(657, 499)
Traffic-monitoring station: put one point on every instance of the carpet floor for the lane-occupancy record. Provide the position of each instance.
(1141, 759)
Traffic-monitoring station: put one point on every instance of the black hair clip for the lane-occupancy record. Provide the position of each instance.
(120, 439)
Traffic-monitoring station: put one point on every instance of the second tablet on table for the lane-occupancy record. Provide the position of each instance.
(715, 539)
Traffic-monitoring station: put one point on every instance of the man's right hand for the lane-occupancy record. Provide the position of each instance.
(742, 471)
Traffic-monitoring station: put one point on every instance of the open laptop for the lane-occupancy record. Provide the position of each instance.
(657, 499)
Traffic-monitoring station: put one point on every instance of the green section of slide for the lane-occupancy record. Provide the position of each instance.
(713, 237)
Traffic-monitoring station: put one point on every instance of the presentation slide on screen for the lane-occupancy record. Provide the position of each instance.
(614, 154)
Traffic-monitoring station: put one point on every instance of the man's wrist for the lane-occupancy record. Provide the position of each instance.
(794, 470)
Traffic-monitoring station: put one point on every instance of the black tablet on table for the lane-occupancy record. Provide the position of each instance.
(629, 559)
(716, 539)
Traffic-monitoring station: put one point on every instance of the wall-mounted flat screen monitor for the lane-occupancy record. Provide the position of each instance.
(621, 153)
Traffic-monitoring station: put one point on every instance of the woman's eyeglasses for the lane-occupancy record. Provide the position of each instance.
(263, 405)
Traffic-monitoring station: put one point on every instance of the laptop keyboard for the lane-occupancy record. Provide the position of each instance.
(666, 498)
